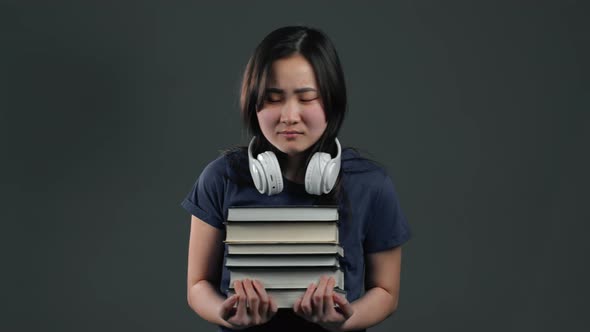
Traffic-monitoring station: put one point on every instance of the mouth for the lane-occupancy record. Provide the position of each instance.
(289, 134)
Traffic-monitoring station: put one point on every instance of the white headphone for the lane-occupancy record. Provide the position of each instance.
(320, 176)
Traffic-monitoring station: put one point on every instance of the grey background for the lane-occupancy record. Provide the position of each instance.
(478, 110)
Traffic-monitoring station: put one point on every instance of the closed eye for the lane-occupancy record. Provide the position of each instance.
(273, 98)
(307, 100)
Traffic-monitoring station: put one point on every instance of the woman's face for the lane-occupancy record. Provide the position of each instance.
(292, 117)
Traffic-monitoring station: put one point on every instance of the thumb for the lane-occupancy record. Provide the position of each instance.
(344, 305)
(227, 307)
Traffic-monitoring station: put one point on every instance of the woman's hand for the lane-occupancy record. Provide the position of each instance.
(317, 305)
(260, 310)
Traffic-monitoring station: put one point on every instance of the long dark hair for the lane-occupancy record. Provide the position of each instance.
(318, 50)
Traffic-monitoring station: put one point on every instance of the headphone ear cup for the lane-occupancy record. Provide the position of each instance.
(314, 173)
(258, 176)
(272, 172)
(330, 175)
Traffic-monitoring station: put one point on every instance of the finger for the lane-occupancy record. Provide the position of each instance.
(345, 306)
(253, 301)
(297, 305)
(264, 298)
(241, 309)
(306, 301)
(273, 308)
(227, 307)
(328, 300)
(318, 297)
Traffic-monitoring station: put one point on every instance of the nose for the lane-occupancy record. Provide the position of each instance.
(290, 113)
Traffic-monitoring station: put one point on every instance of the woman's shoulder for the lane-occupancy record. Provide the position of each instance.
(226, 166)
(354, 162)
(217, 166)
(235, 163)
(223, 163)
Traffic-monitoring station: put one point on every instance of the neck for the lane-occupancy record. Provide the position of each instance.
(294, 168)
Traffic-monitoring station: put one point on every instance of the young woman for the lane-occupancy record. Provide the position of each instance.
(293, 101)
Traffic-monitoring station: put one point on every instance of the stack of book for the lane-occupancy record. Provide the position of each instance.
(286, 248)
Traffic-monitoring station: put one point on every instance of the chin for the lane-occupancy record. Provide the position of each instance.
(290, 149)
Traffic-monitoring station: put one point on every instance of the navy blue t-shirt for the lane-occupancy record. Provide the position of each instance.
(370, 216)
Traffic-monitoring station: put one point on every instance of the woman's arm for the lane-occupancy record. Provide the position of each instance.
(380, 300)
(205, 257)
(382, 283)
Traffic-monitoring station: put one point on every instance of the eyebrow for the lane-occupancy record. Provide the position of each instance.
(300, 90)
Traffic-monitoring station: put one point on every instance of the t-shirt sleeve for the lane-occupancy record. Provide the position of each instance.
(387, 227)
(205, 200)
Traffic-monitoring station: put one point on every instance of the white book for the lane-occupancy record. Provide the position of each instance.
(284, 248)
(285, 298)
(283, 232)
(282, 213)
(282, 261)
(286, 277)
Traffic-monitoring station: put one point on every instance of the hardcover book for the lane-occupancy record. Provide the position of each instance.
(284, 248)
(285, 298)
(283, 213)
(295, 277)
(282, 260)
